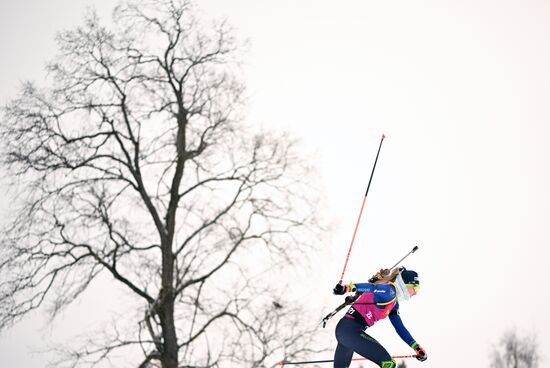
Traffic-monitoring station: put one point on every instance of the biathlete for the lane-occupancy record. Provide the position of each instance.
(377, 299)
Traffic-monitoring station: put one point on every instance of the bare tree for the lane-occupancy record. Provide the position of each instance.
(516, 352)
(136, 164)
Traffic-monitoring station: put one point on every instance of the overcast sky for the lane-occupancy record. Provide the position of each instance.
(460, 88)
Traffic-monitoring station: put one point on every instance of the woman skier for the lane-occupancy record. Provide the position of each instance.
(375, 300)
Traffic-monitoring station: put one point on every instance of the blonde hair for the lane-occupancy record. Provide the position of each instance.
(385, 276)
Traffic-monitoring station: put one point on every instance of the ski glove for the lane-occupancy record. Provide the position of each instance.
(340, 289)
(421, 354)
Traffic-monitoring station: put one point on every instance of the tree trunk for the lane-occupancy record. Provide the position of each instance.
(169, 354)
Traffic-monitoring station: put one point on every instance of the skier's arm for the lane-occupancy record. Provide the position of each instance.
(401, 330)
(340, 289)
(364, 287)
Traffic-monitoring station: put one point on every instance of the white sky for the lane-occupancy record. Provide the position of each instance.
(460, 88)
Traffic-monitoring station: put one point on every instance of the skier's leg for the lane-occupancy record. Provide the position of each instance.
(367, 347)
(343, 354)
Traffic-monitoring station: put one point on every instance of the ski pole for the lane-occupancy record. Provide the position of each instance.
(415, 248)
(361, 211)
(349, 300)
(381, 274)
(330, 360)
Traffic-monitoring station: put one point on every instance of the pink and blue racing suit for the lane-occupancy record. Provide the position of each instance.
(376, 302)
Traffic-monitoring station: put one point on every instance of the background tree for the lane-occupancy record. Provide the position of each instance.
(516, 352)
(136, 164)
